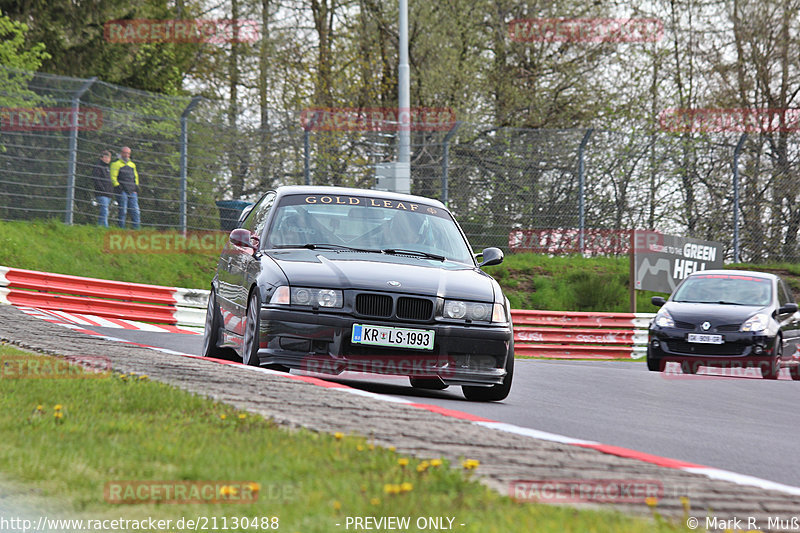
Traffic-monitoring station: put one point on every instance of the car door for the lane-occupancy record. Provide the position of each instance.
(790, 322)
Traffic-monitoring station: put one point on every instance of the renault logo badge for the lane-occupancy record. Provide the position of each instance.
(706, 326)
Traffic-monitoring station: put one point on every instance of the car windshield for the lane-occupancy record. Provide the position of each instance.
(367, 224)
(725, 289)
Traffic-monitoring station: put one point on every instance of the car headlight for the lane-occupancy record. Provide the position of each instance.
(480, 312)
(664, 319)
(757, 322)
(306, 296)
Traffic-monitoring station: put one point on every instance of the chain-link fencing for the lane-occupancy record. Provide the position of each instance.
(495, 180)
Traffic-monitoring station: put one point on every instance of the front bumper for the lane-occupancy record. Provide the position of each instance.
(671, 344)
(320, 342)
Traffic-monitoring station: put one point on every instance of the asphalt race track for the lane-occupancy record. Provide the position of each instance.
(743, 424)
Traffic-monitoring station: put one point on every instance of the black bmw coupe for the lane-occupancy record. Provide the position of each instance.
(328, 279)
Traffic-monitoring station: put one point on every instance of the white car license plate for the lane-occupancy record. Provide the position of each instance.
(420, 339)
(703, 338)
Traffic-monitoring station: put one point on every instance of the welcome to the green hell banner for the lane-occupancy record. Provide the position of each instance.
(662, 261)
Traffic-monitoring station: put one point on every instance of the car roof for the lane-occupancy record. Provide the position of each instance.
(387, 195)
(752, 273)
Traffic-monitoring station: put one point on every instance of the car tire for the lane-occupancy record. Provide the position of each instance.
(211, 332)
(428, 383)
(794, 372)
(494, 393)
(654, 364)
(252, 327)
(689, 367)
(771, 369)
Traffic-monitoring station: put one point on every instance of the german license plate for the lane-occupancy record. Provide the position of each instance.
(703, 338)
(419, 339)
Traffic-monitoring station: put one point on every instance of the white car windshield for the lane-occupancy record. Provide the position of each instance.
(366, 223)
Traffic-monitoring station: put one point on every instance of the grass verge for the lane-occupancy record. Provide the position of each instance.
(70, 438)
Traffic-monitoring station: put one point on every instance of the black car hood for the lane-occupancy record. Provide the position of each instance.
(714, 313)
(351, 270)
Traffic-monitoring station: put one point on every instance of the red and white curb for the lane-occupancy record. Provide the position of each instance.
(63, 318)
(664, 462)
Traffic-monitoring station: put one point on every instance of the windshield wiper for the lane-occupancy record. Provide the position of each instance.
(400, 251)
(326, 246)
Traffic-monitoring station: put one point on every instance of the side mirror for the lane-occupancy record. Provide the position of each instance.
(788, 308)
(491, 256)
(243, 238)
(658, 301)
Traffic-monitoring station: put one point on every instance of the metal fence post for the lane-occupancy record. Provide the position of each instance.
(73, 149)
(736, 153)
(306, 157)
(581, 182)
(446, 160)
(184, 145)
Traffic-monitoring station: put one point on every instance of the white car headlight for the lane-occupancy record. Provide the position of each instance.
(458, 310)
(305, 296)
(664, 319)
(757, 322)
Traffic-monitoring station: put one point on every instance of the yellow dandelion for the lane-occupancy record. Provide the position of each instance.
(392, 449)
(242, 416)
(337, 506)
(436, 462)
(375, 501)
(223, 417)
(651, 501)
(470, 464)
(406, 487)
(338, 435)
(143, 376)
(227, 490)
(253, 486)
(39, 408)
(57, 407)
(403, 461)
(391, 488)
(360, 448)
(423, 466)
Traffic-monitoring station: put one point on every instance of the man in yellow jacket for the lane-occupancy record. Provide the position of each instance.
(125, 180)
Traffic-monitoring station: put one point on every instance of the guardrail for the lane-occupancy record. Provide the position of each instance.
(554, 334)
(114, 299)
(580, 335)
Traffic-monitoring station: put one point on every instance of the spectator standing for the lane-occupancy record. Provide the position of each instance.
(125, 179)
(103, 188)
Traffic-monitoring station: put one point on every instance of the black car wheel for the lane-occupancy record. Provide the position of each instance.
(428, 383)
(654, 364)
(493, 393)
(251, 330)
(211, 332)
(794, 371)
(771, 369)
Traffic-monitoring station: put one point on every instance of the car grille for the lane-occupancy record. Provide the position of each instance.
(729, 327)
(683, 325)
(414, 308)
(378, 305)
(691, 348)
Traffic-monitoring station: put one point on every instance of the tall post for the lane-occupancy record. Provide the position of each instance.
(736, 153)
(402, 179)
(581, 183)
(184, 148)
(306, 157)
(446, 161)
(73, 149)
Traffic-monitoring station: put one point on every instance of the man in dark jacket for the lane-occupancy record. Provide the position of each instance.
(103, 189)
(126, 182)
